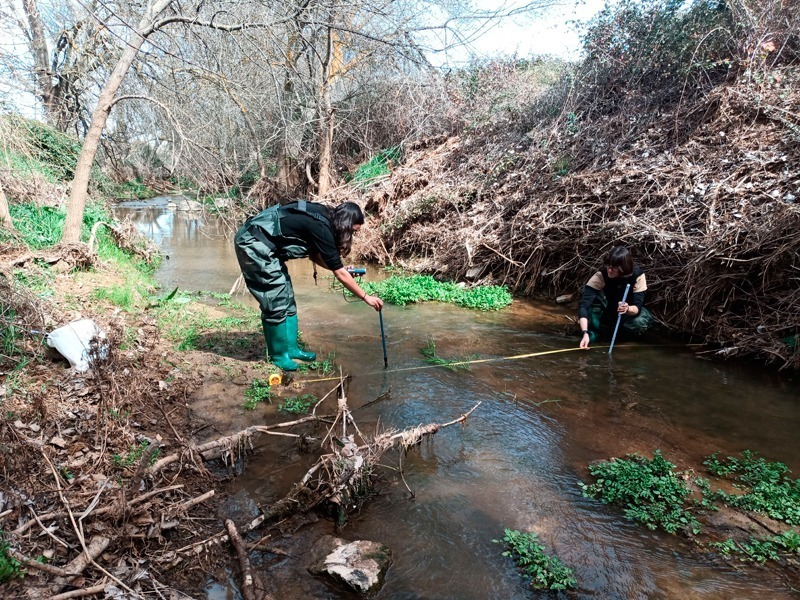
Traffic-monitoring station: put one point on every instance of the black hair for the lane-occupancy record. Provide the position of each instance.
(345, 216)
(620, 258)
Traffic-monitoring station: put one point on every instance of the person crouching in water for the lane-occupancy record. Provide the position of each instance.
(601, 301)
(296, 230)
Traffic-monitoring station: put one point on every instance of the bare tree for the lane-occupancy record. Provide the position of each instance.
(270, 76)
(58, 49)
(80, 183)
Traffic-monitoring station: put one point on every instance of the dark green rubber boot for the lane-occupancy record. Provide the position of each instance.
(278, 346)
(294, 350)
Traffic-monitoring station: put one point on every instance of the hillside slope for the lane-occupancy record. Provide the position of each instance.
(704, 190)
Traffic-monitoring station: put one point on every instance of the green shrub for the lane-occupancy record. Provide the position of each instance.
(502, 90)
(40, 226)
(35, 148)
(546, 572)
(59, 151)
(652, 45)
(126, 297)
(651, 492)
(132, 189)
(134, 455)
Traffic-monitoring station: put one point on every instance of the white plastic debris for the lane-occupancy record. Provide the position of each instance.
(73, 342)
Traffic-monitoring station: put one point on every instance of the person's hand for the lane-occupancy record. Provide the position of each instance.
(374, 302)
(622, 308)
(585, 341)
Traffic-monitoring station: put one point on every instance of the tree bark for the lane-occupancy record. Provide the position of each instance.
(80, 183)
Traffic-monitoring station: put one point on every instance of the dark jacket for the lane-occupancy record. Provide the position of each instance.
(613, 289)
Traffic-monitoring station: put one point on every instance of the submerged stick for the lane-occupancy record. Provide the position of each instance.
(244, 562)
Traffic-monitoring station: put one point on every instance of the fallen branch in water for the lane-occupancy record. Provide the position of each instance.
(220, 446)
(348, 468)
(252, 587)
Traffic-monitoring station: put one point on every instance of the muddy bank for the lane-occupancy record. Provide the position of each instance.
(114, 477)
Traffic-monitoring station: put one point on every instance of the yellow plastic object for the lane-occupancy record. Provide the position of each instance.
(274, 379)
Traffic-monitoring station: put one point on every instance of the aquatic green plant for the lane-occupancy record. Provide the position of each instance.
(546, 572)
(429, 352)
(298, 405)
(763, 486)
(651, 491)
(324, 367)
(259, 391)
(761, 550)
(402, 290)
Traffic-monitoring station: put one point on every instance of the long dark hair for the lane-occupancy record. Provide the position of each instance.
(620, 258)
(345, 216)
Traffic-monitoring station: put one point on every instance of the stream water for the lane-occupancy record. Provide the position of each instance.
(518, 460)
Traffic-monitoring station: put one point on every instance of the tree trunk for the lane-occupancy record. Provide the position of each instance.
(80, 184)
(5, 215)
(41, 56)
(326, 114)
(325, 143)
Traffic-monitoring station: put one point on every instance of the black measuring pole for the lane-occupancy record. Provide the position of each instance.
(383, 340)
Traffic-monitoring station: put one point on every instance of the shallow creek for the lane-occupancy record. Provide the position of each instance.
(518, 460)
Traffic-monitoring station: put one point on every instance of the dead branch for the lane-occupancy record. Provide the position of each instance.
(252, 587)
(95, 548)
(216, 448)
(81, 593)
(182, 508)
(34, 564)
(101, 511)
(217, 538)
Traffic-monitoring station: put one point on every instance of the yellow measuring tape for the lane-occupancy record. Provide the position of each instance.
(498, 358)
(459, 363)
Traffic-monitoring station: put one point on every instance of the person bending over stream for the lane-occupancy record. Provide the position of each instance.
(601, 301)
(297, 230)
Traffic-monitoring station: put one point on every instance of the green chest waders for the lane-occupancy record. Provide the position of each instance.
(262, 251)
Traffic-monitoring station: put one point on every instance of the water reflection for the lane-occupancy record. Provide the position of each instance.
(518, 460)
(197, 248)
